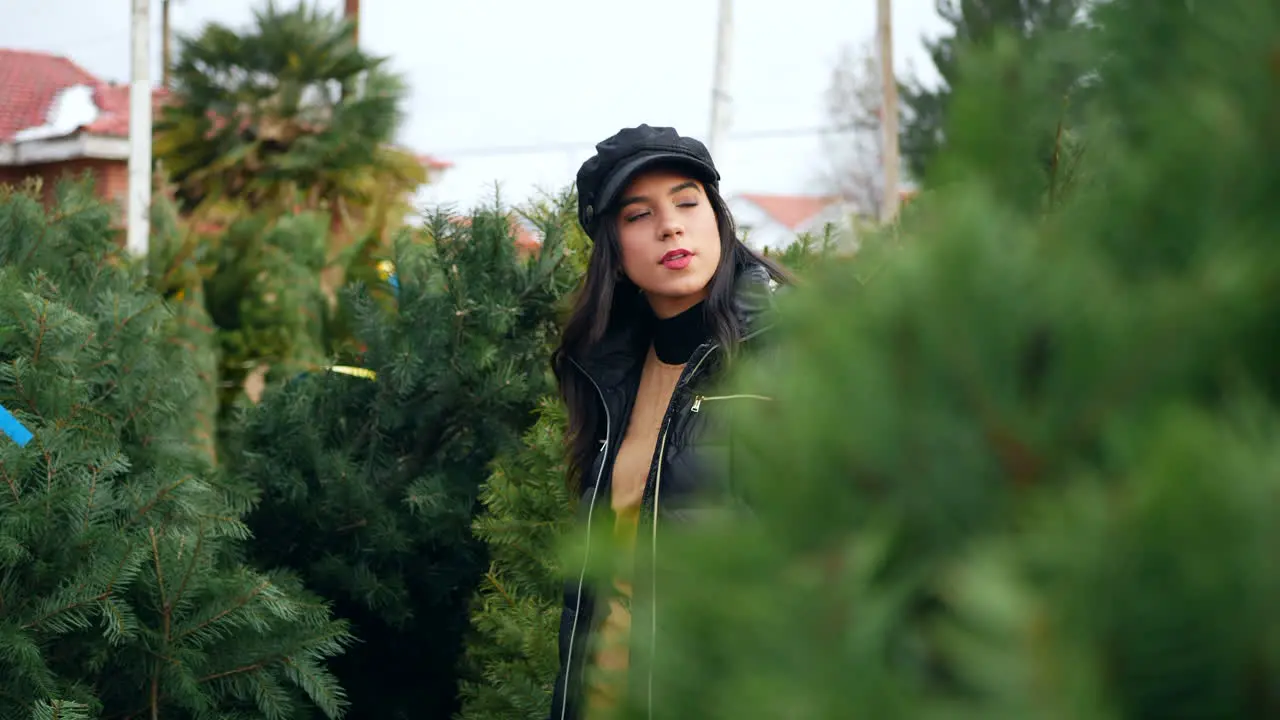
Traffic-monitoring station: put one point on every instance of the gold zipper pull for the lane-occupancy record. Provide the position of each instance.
(697, 403)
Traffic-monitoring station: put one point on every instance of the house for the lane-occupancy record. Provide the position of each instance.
(527, 238)
(58, 119)
(774, 221)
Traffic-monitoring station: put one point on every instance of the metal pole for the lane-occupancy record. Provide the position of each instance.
(166, 42)
(889, 113)
(139, 200)
(720, 82)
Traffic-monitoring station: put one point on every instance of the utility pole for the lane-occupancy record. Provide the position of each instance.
(720, 82)
(166, 57)
(888, 113)
(352, 13)
(139, 200)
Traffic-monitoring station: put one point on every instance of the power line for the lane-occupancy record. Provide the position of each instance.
(567, 147)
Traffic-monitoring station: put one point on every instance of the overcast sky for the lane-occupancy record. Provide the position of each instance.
(492, 80)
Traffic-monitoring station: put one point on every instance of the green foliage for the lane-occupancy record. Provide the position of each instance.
(263, 293)
(277, 141)
(368, 488)
(807, 251)
(289, 109)
(121, 589)
(512, 656)
(173, 272)
(1029, 470)
(249, 292)
(975, 25)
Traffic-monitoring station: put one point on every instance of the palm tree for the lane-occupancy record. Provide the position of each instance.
(291, 112)
(260, 125)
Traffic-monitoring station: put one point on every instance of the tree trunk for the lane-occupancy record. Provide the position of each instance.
(352, 13)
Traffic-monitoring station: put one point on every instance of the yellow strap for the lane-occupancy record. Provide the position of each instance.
(354, 371)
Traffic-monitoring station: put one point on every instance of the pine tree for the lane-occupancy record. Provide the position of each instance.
(368, 487)
(512, 655)
(122, 592)
(1029, 470)
(975, 24)
(174, 271)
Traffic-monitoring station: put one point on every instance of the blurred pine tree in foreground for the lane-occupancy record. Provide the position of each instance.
(1030, 468)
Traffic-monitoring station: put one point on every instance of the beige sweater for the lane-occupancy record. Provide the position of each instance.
(606, 678)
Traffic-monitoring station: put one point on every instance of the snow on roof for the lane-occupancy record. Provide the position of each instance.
(72, 108)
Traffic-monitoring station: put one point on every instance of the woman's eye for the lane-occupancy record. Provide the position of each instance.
(636, 216)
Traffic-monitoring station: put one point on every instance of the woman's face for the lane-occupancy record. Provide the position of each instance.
(669, 239)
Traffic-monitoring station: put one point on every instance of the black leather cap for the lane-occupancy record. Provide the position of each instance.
(630, 150)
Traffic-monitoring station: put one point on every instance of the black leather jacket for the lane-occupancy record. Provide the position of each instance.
(691, 475)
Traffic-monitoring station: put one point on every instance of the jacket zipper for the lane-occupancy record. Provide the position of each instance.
(657, 488)
(653, 550)
(586, 554)
(699, 399)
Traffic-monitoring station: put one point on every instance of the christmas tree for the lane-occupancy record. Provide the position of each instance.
(511, 656)
(368, 483)
(1029, 469)
(1041, 24)
(122, 592)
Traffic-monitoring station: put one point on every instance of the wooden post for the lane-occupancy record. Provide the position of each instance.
(889, 113)
(352, 13)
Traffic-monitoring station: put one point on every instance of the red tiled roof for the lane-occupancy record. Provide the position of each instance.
(525, 239)
(432, 162)
(113, 103)
(790, 210)
(31, 80)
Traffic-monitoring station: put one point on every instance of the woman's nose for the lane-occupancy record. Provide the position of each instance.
(671, 227)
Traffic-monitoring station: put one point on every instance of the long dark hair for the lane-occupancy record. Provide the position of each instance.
(607, 299)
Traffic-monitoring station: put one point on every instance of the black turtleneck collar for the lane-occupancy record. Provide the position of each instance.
(675, 338)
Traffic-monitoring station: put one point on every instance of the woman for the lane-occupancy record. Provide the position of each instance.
(670, 293)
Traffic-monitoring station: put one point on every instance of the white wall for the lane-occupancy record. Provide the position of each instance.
(841, 216)
(760, 230)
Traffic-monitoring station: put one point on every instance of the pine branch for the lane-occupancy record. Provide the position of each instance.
(164, 493)
(191, 568)
(80, 603)
(493, 581)
(240, 603)
(42, 322)
(165, 614)
(13, 487)
(93, 487)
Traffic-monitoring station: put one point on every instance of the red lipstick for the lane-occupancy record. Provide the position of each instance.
(677, 259)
